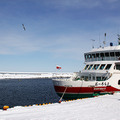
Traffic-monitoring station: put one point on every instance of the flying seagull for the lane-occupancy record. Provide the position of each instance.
(23, 27)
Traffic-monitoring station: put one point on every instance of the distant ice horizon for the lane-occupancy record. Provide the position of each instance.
(28, 75)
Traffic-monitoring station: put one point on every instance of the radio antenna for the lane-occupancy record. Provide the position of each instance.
(104, 42)
(93, 43)
(99, 40)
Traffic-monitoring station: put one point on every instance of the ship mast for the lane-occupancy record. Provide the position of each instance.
(118, 39)
(93, 43)
(104, 42)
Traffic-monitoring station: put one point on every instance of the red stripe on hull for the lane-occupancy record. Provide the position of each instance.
(60, 89)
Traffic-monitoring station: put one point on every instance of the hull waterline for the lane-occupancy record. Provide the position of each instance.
(83, 92)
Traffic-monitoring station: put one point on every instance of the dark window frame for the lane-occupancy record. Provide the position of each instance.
(118, 82)
(112, 54)
(102, 65)
(108, 66)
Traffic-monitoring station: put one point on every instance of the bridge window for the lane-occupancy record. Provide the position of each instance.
(95, 67)
(86, 67)
(97, 55)
(93, 55)
(106, 54)
(89, 56)
(108, 66)
(102, 66)
(117, 54)
(101, 54)
(112, 54)
(86, 56)
(90, 67)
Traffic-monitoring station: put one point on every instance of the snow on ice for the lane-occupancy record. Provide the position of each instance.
(105, 107)
(20, 75)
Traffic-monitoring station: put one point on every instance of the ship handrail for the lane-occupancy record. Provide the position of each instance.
(62, 79)
(116, 72)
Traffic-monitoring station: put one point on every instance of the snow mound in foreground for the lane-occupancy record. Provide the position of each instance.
(97, 108)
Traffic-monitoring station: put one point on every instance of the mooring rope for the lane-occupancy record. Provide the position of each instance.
(62, 95)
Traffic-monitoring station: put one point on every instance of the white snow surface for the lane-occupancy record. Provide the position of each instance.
(23, 75)
(105, 107)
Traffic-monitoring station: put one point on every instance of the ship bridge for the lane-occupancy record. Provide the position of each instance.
(110, 53)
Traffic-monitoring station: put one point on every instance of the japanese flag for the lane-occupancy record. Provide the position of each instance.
(58, 67)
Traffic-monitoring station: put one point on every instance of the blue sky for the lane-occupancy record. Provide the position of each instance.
(58, 32)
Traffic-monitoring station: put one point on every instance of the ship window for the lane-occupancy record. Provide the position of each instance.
(89, 77)
(86, 56)
(108, 67)
(117, 53)
(97, 55)
(93, 77)
(90, 67)
(102, 66)
(86, 67)
(117, 66)
(102, 54)
(98, 79)
(106, 54)
(118, 82)
(111, 54)
(89, 56)
(82, 78)
(103, 78)
(95, 66)
(93, 55)
(86, 78)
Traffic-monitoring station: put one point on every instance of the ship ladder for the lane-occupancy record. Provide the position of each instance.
(62, 95)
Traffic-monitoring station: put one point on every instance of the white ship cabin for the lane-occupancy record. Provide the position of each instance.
(110, 53)
(100, 63)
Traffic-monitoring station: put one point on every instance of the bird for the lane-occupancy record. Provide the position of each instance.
(24, 27)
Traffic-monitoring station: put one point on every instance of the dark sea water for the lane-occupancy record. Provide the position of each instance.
(21, 92)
